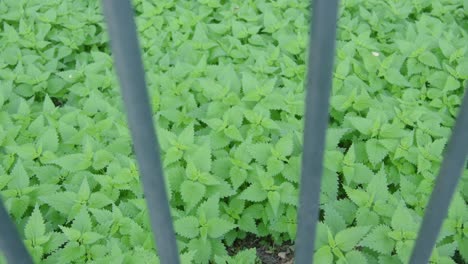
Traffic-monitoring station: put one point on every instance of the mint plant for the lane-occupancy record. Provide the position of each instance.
(226, 80)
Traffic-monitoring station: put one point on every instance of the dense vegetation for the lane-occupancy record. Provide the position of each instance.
(227, 86)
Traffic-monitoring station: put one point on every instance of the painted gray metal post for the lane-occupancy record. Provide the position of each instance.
(449, 174)
(319, 82)
(129, 66)
(11, 243)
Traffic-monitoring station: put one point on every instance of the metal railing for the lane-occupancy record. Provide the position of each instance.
(129, 67)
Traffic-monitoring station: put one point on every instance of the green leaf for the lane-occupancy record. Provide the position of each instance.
(402, 219)
(333, 137)
(247, 223)
(321, 238)
(446, 47)
(355, 256)
(362, 173)
(20, 178)
(214, 123)
(274, 166)
(84, 192)
(403, 250)
(208, 179)
(451, 84)
(102, 216)
(462, 69)
(172, 155)
(49, 140)
(237, 176)
(201, 157)
(203, 249)
(292, 171)
(269, 123)
(247, 256)
(334, 220)
(82, 221)
(55, 241)
(73, 162)
(423, 164)
(5, 179)
(210, 208)
(358, 196)
(274, 101)
(70, 233)
(61, 201)
(349, 238)
(363, 125)
(217, 227)
(233, 133)
(394, 76)
(288, 193)
(260, 152)
(458, 208)
(187, 258)
(375, 151)
(378, 186)
(366, 217)
(26, 152)
(463, 248)
(192, 193)
(35, 227)
(274, 201)
(379, 241)
(253, 193)
(91, 237)
(429, 59)
(323, 255)
(333, 160)
(389, 260)
(285, 145)
(102, 158)
(187, 226)
(72, 251)
(165, 138)
(249, 82)
(343, 68)
(186, 137)
(17, 206)
(99, 200)
(329, 189)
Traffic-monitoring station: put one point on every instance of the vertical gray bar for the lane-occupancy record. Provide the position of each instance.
(319, 81)
(445, 186)
(11, 243)
(129, 66)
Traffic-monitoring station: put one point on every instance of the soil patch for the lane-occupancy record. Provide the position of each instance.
(267, 251)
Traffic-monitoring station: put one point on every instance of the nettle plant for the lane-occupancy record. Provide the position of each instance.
(226, 80)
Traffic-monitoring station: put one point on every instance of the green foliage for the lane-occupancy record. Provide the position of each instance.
(226, 81)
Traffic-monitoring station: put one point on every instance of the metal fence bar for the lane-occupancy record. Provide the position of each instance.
(129, 66)
(445, 186)
(11, 243)
(319, 82)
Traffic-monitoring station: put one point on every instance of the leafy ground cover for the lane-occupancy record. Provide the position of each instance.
(227, 87)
